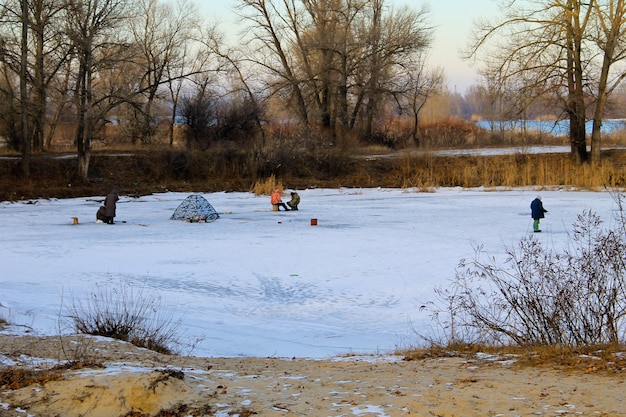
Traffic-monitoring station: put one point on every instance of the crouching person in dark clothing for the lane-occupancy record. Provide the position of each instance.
(106, 213)
(295, 200)
(100, 216)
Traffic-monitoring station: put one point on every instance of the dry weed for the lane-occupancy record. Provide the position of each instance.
(266, 186)
(152, 171)
(589, 359)
(16, 378)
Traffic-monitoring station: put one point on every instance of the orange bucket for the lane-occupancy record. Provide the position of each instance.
(75, 220)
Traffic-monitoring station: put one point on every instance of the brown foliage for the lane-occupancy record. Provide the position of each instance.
(146, 172)
(16, 378)
(587, 359)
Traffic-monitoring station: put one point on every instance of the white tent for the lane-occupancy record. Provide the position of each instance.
(195, 208)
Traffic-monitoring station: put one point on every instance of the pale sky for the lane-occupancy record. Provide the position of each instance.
(453, 21)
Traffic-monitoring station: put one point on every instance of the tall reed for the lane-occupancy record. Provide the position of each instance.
(508, 171)
(266, 186)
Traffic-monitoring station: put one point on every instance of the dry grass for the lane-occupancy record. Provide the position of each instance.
(148, 172)
(549, 170)
(16, 377)
(587, 359)
(267, 186)
(179, 410)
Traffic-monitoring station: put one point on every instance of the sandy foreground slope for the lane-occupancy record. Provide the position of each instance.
(145, 383)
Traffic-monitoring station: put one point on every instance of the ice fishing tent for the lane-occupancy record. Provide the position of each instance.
(195, 208)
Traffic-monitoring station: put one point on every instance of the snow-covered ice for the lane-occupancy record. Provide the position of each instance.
(261, 283)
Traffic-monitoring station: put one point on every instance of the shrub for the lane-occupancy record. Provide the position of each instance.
(6, 317)
(126, 314)
(541, 296)
(448, 133)
(388, 139)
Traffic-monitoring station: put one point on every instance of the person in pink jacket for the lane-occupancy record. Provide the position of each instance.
(277, 201)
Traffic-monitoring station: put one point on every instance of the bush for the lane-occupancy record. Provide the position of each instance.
(6, 317)
(388, 139)
(571, 298)
(125, 314)
(448, 133)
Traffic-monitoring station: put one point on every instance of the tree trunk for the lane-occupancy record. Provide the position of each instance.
(342, 93)
(172, 123)
(576, 103)
(596, 130)
(26, 139)
(39, 106)
(83, 165)
(612, 37)
(414, 126)
(373, 92)
(84, 128)
(578, 138)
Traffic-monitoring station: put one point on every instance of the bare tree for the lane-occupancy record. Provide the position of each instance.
(175, 81)
(9, 105)
(162, 32)
(538, 48)
(318, 44)
(576, 20)
(404, 38)
(46, 52)
(198, 110)
(177, 71)
(26, 143)
(14, 54)
(422, 85)
(609, 36)
(51, 51)
(270, 29)
(554, 47)
(93, 28)
(59, 100)
(231, 63)
(326, 52)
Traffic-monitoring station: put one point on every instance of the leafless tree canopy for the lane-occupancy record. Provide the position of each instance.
(337, 62)
(570, 52)
(88, 64)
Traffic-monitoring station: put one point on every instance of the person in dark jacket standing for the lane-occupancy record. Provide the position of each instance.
(537, 213)
(109, 206)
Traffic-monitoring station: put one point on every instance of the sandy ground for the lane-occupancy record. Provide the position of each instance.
(139, 382)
